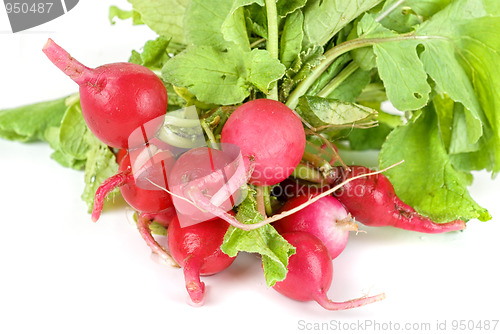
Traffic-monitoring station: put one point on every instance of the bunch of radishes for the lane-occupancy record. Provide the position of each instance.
(194, 192)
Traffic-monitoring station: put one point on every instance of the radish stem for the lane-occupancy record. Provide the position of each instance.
(78, 72)
(272, 40)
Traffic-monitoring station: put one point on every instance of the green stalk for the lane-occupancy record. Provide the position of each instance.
(335, 82)
(339, 50)
(209, 133)
(272, 39)
(267, 200)
(307, 173)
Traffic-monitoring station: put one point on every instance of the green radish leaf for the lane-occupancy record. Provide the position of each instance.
(115, 12)
(285, 7)
(291, 38)
(324, 18)
(100, 165)
(441, 58)
(165, 17)
(211, 75)
(266, 241)
(222, 77)
(65, 160)
(410, 13)
(154, 53)
(373, 138)
(29, 123)
(256, 20)
(72, 133)
(319, 111)
(263, 70)
(351, 88)
(217, 23)
(399, 66)
(329, 74)
(427, 180)
(301, 68)
(233, 27)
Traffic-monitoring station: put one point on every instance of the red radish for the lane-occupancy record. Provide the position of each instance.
(327, 219)
(373, 202)
(269, 135)
(116, 98)
(310, 273)
(201, 175)
(197, 249)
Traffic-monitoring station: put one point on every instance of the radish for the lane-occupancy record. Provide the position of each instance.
(204, 177)
(197, 249)
(327, 219)
(116, 98)
(310, 273)
(270, 136)
(373, 202)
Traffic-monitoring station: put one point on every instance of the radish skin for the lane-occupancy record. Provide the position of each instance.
(372, 201)
(270, 136)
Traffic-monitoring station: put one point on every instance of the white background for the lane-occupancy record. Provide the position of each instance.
(61, 273)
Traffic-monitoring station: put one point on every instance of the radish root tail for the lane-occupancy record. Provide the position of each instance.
(143, 222)
(326, 303)
(104, 189)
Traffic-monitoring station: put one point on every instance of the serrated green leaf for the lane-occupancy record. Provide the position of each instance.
(100, 165)
(428, 181)
(222, 77)
(324, 18)
(219, 24)
(72, 133)
(301, 68)
(28, 123)
(154, 53)
(286, 7)
(165, 17)
(410, 13)
(441, 58)
(263, 70)
(115, 12)
(274, 249)
(211, 75)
